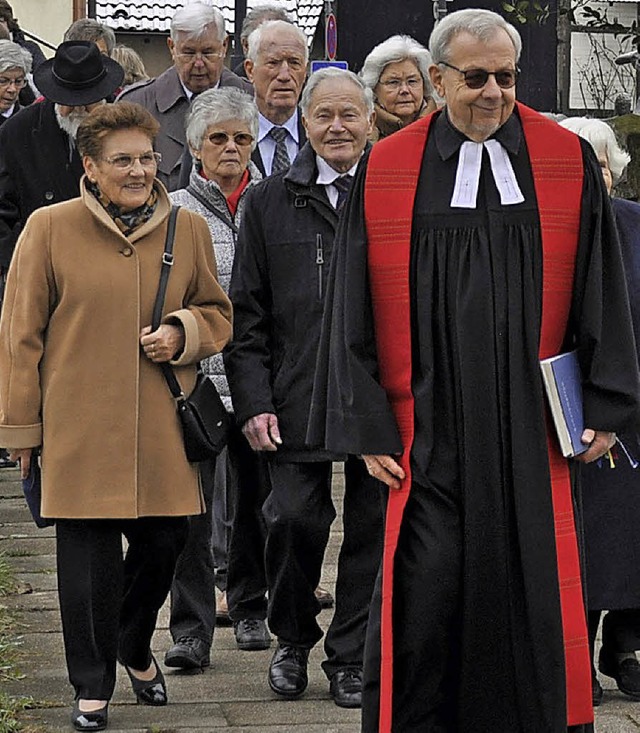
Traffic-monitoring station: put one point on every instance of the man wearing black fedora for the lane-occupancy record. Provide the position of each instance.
(39, 163)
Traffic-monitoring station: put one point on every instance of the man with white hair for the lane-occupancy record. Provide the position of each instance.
(276, 65)
(39, 163)
(198, 43)
(255, 17)
(476, 242)
(278, 284)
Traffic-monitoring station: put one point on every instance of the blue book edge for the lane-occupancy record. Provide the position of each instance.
(563, 384)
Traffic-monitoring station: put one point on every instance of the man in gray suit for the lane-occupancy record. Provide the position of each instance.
(198, 45)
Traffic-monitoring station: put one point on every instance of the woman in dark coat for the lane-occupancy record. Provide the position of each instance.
(611, 486)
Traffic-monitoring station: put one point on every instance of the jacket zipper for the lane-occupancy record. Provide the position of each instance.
(319, 262)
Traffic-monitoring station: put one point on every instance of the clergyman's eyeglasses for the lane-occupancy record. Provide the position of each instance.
(477, 78)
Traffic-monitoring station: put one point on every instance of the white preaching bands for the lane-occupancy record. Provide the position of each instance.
(465, 191)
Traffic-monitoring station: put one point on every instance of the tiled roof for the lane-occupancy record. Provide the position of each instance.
(150, 16)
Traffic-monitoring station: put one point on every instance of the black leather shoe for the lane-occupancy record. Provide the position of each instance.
(626, 673)
(596, 690)
(149, 692)
(188, 652)
(288, 671)
(95, 720)
(251, 634)
(345, 688)
(324, 597)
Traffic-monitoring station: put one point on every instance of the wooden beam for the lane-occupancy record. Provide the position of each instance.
(79, 9)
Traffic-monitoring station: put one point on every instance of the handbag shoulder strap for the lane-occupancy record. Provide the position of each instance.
(208, 205)
(165, 269)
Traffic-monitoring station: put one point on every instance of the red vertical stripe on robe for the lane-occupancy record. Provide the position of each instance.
(391, 182)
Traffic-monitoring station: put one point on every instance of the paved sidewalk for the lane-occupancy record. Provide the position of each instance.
(232, 696)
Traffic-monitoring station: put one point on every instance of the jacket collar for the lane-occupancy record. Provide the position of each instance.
(169, 90)
(211, 191)
(304, 170)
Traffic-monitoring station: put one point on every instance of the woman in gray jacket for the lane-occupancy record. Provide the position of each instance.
(222, 130)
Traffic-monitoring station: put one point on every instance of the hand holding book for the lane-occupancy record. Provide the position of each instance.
(599, 443)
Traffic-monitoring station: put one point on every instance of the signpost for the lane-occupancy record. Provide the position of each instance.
(330, 42)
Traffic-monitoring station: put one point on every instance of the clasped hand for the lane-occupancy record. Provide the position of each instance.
(162, 345)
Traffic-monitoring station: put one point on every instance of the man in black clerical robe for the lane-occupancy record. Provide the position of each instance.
(474, 242)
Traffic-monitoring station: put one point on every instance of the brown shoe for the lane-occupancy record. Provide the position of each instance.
(324, 598)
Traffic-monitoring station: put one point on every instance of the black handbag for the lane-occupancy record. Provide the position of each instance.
(203, 417)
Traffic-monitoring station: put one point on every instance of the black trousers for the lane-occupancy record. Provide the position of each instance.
(109, 601)
(620, 630)
(299, 512)
(246, 576)
(193, 597)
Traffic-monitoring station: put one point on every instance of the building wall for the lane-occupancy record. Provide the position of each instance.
(48, 19)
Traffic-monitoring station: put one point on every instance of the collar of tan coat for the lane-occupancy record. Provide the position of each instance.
(159, 215)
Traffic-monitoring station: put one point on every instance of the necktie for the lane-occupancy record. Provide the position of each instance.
(281, 160)
(343, 184)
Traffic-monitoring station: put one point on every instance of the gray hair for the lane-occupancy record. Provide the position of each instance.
(255, 37)
(602, 140)
(482, 24)
(88, 29)
(332, 73)
(261, 13)
(394, 49)
(220, 105)
(194, 20)
(13, 56)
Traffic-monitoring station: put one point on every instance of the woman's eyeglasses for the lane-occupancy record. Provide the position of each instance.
(477, 78)
(239, 138)
(123, 162)
(17, 83)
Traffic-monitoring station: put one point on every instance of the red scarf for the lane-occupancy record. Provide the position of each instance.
(392, 177)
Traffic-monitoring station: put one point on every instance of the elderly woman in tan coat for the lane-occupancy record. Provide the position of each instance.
(79, 378)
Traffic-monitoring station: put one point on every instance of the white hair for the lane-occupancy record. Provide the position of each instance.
(194, 20)
(220, 105)
(395, 49)
(255, 37)
(13, 56)
(602, 140)
(332, 73)
(482, 24)
(261, 13)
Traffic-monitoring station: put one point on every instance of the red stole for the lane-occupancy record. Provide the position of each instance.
(392, 178)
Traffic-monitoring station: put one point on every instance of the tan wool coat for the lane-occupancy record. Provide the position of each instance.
(73, 377)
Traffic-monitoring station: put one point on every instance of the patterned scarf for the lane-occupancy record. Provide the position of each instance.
(126, 221)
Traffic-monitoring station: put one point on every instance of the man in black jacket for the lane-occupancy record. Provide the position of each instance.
(277, 289)
(39, 163)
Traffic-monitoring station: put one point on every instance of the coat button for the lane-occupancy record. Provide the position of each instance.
(127, 251)
(48, 195)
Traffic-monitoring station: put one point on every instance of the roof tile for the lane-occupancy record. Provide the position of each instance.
(149, 16)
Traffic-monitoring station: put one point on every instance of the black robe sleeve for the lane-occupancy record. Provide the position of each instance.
(600, 319)
(350, 412)
(247, 358)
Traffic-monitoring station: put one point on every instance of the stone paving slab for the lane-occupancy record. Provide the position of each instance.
(232, 696)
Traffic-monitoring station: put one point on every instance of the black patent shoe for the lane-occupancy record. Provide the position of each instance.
(626, 673)
(95, 720)
(288, 671)
(149, 692)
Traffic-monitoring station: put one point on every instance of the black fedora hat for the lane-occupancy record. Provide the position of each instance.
(78, 74)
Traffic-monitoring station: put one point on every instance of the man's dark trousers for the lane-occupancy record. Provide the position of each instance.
(299, 512)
